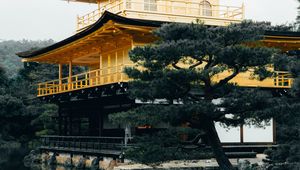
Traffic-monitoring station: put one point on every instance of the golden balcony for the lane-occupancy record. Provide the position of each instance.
(166, 11)
(115, 74)
(280, 79)
(94, 78)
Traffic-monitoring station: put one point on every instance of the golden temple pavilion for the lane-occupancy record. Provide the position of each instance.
(101, 43)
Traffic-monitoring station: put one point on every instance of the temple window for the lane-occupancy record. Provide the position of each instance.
(128, 4)
(206, 8)
(150, 5)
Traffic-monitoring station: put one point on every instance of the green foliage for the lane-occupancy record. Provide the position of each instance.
(8, 49)
(287, 155)
(22, 116)
(163, 146)
(178, 91)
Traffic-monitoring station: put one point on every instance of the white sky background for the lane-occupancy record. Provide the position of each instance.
(45, 19)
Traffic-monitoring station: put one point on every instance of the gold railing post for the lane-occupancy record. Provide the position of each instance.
(86, 80)
(122, 68)
(39, 89)
(46, 88)
(277, 79)
(76, 82)
(97, 77)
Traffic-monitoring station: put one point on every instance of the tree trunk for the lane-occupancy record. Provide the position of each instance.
(216, 146)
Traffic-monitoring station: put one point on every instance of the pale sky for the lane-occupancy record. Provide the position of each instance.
(45, 19)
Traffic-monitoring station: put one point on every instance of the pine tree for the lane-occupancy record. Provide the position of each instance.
(288, 123)
(181, 69)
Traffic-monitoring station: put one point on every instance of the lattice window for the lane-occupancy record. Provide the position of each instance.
(150, 5)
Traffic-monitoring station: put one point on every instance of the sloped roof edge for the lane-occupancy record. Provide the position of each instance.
(123, 20)
(104, 19)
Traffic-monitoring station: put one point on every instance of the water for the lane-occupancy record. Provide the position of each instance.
(12, 159)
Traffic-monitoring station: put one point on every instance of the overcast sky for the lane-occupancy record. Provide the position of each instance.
(45, 19)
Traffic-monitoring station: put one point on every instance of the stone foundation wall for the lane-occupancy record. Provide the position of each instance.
(79, 161)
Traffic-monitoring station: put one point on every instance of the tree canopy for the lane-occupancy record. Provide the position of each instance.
(177, 76)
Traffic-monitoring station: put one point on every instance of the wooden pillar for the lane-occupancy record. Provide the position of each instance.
(274, 131)
(100, 69)
(100, 123)
(60, 76)
(65, 126)
(79, 126)
(70, 75)
(242, 133)
(59, 120)
(70, 124)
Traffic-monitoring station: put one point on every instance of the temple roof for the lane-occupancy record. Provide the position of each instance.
(284, 40)
(107, 16)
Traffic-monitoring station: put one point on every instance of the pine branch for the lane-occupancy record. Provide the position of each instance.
(227, 79)
(195, 65)
(176, 67)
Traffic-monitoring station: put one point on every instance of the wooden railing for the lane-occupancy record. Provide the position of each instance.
(88, 79)
(115, 74)
(283, 79)
(90, 18)
(84, 144)
(171, 10)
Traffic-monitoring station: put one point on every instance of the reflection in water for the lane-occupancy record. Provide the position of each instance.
(12, 159)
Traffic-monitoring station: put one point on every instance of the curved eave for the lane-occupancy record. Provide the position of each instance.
(105, 18)
(286, 41)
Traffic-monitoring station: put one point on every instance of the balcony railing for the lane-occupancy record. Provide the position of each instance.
(88, 79)
(109, 146)
(115, 74)
(283, 79)
(163, 10)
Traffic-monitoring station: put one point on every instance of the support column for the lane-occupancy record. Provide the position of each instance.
(100, 69)
(127, 134)
(60, 76)
(79, 126)
(242, 133)
(70, 124)
(59, 120)
(65, 126)
(100, 123)
(116, 69)
(70, 76)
